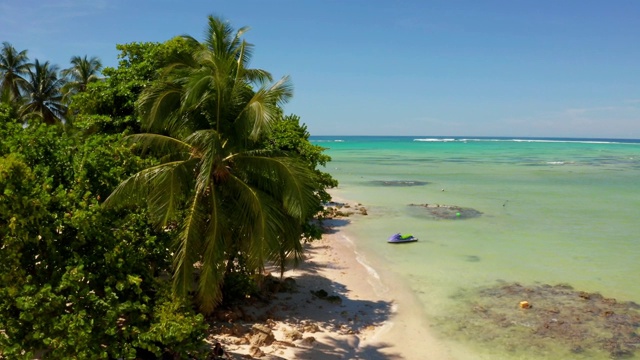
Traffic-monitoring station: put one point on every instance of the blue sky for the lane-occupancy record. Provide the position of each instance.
(372, 67)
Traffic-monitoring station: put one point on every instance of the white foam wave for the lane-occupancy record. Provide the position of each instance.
(435, 140)
(521, 140)
(565, 141)
(374, 277)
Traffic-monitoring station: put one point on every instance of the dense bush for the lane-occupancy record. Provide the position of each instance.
(82, 281)
(77, 280)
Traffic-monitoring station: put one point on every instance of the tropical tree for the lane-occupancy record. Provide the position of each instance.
(43, 94)
(14, 66)
(289, 135)
(234, 204)
(83, 72)
(79, 281)
(116, 95)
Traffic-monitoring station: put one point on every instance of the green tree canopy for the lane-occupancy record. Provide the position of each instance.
(115, 97)
(227, 183)
(78, 280)
(229, 196)
(43, 94)
(83, 72)
(14, 66)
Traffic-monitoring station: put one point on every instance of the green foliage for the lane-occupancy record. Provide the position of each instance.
(44, 88)
(43, 148)
(227, 186)
(115, 97)
(173, 323)
(7, 112)
(287, 134)
(78, 280)
(232, 199)
(14, 66)
(83, 72)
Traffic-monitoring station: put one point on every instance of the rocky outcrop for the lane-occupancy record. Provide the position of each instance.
(261, 335)
(334, 210)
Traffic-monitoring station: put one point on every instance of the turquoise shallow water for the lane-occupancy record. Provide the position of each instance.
(554, 211)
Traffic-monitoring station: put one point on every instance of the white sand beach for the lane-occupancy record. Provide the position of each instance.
(362, 315)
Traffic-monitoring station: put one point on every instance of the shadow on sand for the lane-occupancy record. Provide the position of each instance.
(331, 226)
(333, 321)
(340, 311)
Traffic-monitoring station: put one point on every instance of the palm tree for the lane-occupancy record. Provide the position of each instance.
(43, 95)
(83, 72)
(13, 66)
(238, 202)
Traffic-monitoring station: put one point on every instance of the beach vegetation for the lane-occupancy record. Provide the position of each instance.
(289, 135)
(14, 67)
(207, 181)
(113, 99)
(77, 77)
(75, 278)
(43, 90)
(236, 204)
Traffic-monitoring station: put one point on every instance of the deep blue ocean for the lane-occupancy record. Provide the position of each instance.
(490, 213)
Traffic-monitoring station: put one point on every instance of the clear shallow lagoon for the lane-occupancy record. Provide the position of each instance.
(554, 211)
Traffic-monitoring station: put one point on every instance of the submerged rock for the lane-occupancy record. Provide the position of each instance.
(398, 183)
(557, 317)
(450, 212)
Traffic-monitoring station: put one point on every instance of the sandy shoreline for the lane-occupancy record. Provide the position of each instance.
(338, 308)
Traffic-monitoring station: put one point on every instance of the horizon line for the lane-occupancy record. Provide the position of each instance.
(488, 137)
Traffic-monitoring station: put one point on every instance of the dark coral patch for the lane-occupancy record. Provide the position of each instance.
(398, 183)
(556, 317)
(450, 212)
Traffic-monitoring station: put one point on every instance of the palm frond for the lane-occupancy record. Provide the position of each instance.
(159, 106)
(270, 232)
(136, 188)
(252, 211)
(199, 88)
(219, 36)
(212, 271)
(169, 190)
(258, 76)
(188, 245)
(289, 243)
(44, 98)
(284, 177)
(160, 143)
(210, 154)
(262, 108)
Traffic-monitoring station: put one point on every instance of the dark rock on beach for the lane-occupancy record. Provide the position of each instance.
(334, 210)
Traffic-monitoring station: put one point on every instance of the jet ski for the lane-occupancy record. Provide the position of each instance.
(401, 238)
